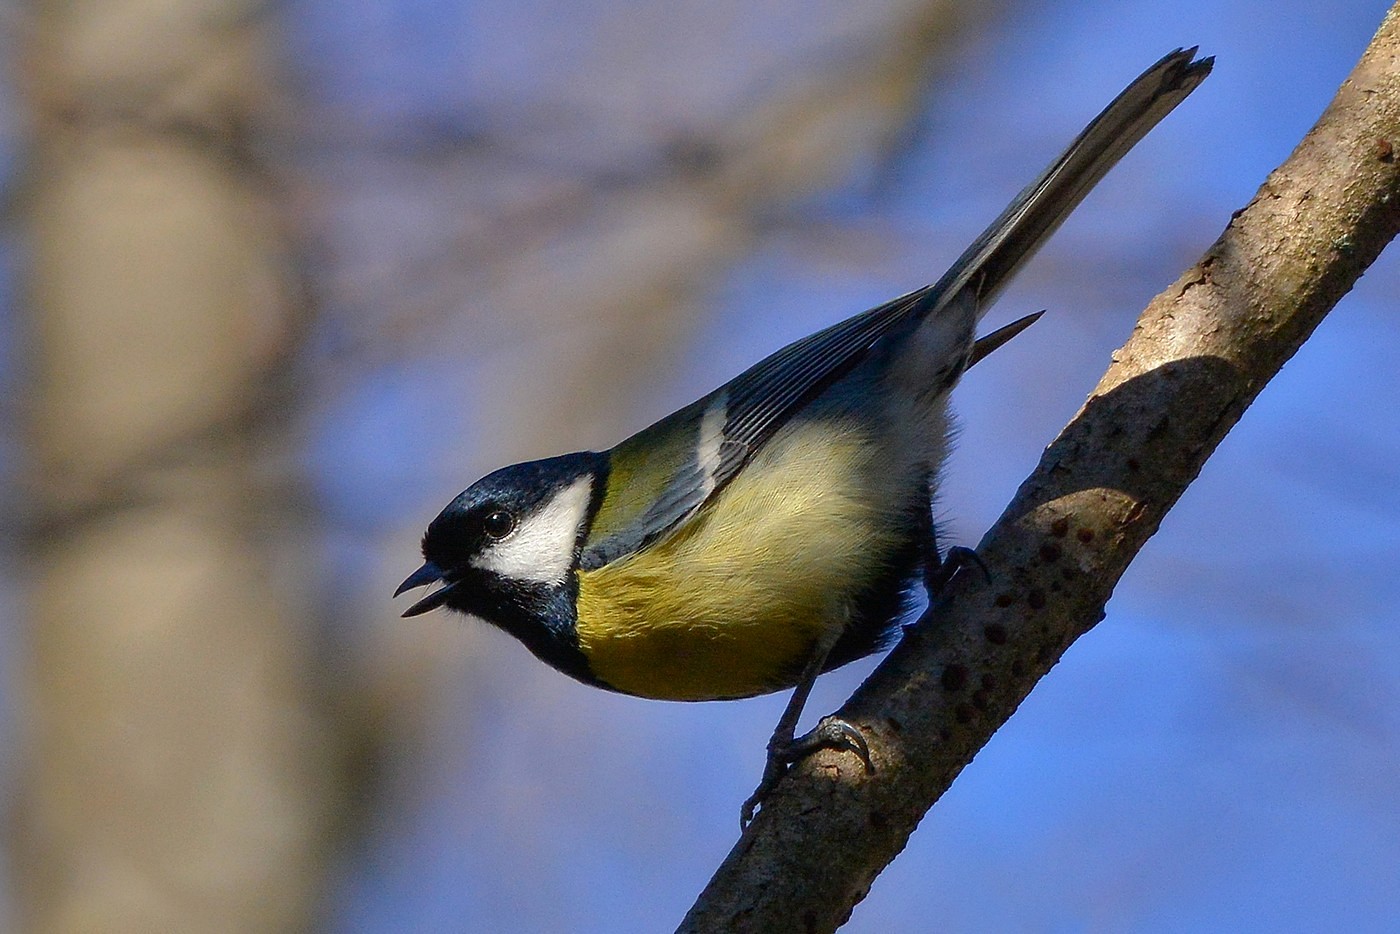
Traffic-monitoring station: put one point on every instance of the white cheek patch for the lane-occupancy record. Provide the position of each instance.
(541, 549)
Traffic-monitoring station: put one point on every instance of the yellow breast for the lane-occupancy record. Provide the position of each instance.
(731, 604)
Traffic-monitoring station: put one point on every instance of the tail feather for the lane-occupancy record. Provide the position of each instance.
(995, 340)
(994, 257)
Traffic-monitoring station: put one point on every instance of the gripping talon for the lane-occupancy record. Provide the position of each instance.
(833, 733)
(829, 733)
(957, 559)
(773, 770)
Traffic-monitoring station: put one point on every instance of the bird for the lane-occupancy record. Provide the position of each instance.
(782, 525)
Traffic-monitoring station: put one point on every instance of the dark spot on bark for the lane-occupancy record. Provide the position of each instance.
(1050, 552)
(1060, 527)
(1085, 535)
(995, 633)
(1036, 599)
(964, 713)
(954, 678)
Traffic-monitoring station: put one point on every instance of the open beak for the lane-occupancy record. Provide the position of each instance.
(429, 573)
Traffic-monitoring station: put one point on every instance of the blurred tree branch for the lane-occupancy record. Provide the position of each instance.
(642, 230)
(1199, 355)
(178, 772)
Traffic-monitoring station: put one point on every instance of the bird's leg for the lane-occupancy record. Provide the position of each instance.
(939, 570)
(784, 749)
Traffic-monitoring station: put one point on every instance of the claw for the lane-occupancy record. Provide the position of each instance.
(957, 559)
(829, 733)
(772, 771)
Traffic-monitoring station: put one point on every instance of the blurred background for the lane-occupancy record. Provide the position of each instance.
(280, 279)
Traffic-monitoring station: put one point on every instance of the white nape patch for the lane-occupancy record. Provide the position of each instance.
(711, 440)
(541, 549)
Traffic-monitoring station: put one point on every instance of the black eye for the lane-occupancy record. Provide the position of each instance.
(498, 524)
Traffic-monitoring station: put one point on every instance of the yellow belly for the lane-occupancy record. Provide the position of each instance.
(732, 603)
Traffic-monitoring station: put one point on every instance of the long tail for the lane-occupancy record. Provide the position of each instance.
(994, 257)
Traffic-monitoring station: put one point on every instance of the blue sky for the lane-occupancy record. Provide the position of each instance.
(1221, 753)
(1218, 754)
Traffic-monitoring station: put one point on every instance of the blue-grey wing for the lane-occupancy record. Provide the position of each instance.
(667, 472)
(725, 429)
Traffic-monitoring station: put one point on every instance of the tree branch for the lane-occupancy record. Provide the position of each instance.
(1197, 358)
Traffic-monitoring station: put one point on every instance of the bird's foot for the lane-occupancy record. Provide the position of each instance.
(957, 559)
(830, 733)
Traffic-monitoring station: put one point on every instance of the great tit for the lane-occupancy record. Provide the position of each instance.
(780, 526)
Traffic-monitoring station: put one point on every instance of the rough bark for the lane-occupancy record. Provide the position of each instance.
(1199, 355)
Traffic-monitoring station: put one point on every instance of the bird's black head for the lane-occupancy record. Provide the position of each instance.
(510, 538)
(505, 550)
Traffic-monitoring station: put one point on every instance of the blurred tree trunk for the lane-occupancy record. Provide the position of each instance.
(176, 776)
